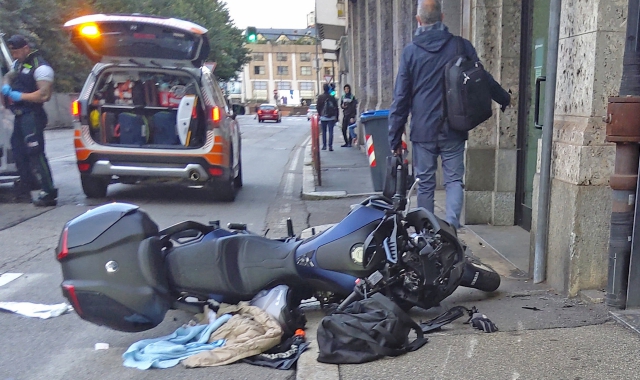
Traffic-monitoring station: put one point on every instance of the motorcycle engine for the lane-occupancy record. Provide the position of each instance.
(422, 275)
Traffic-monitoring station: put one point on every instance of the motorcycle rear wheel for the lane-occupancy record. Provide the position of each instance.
(479, 276)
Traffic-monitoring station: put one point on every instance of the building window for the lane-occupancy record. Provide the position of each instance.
(283, 70)
(260, 85)
(258, 70)
(306, 86)
(305, 57)
(281, 57)
(341, 9)
(284, 85)
(305, 70)
(258, 56)
(327, 71)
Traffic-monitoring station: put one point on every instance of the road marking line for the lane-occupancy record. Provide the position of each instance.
(288, 186)
(472, 346)
(296, 155)
(446, 361)
(285, 209)
(8, 277)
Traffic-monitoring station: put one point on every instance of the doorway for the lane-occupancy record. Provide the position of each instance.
(535, 30)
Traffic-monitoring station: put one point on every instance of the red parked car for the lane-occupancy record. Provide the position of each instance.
(269, 112)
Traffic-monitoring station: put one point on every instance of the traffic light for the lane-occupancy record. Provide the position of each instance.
(251, 34)
(332, 91)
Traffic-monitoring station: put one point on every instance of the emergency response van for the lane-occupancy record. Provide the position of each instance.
(151, 110)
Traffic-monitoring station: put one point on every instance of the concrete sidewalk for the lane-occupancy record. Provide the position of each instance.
(542, 334)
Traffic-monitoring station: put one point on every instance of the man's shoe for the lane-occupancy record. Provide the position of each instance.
(324, 148)
(46, 199)
(344, 146)
(330, 149)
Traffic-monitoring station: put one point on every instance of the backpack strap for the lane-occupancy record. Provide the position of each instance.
(404, 317)
(459, 45)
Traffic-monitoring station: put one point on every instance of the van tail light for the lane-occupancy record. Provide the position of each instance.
(216, 172)
(84, 167)
(259, 112)
(75, 110)
(70, 291)
(215, 114)
(64, 249)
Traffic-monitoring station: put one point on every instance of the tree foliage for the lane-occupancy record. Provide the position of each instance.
(41, 21)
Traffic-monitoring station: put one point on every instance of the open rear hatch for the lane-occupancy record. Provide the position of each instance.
(143, 40)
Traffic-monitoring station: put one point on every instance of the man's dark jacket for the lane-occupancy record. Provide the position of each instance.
(419, 88)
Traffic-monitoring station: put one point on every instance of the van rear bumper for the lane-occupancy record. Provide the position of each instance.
(194, 172)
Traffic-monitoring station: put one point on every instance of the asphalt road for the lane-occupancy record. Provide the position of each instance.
(63, 347)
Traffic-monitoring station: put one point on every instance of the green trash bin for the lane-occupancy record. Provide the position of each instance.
(376, 126)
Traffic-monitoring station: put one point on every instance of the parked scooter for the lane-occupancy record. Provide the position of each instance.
(120, 271)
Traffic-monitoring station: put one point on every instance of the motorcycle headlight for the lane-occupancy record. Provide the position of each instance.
(357, 253)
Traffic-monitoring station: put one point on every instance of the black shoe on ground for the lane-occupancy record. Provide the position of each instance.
(330, 149)
(324, 148)
(344, 146)
(46, 199)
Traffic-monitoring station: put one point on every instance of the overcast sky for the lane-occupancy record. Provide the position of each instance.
(290, 14)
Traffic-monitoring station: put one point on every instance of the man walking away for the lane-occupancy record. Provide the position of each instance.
(328, 110)
(419, 90)
(349, 105)
(27, 87)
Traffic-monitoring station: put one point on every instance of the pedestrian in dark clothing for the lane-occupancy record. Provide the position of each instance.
(328, 110)
(349, 105)
(26, 88)
(419, 90)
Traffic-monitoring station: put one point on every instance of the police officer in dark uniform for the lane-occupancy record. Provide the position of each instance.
(26, 88)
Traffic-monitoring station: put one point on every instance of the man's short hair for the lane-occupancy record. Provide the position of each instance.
(430, 12)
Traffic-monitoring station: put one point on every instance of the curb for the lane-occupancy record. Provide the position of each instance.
(309, 183)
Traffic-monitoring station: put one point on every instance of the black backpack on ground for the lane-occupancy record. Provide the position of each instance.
(467, 101)
(367, 330)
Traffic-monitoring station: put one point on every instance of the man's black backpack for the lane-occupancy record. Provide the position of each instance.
(467, 92)
(365, 331)
(330, 108)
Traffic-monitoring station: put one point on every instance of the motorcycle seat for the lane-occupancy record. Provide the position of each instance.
(237, 265)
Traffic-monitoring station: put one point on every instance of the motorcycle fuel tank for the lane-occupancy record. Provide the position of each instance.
(337, 255)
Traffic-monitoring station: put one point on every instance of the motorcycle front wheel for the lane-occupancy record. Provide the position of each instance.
(479, 276)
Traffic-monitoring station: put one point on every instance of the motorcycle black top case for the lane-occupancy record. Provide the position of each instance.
(109, 277)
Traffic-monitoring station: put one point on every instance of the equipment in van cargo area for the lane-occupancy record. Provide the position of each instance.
(110, 127)
(164, 129)
(187, 115)
(134, 129)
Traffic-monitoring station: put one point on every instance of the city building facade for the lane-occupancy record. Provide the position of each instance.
(283, 68)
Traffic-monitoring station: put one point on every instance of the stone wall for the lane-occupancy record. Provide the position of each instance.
(591, 50)
(491, 156)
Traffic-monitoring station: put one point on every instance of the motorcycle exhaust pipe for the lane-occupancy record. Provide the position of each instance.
(194, 175)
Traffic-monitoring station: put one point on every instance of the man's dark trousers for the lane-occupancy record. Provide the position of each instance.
(32, 164)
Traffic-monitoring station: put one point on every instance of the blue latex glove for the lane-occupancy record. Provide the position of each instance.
(6, 89)
(16, 96)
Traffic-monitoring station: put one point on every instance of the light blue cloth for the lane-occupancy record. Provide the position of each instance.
(168, 351)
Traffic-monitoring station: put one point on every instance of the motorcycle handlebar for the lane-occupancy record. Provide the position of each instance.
(354, 296)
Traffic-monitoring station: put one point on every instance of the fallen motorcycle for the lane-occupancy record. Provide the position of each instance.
(119, 270)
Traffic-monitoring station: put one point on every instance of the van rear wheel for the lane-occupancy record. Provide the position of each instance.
(224, 190)
(94, 186)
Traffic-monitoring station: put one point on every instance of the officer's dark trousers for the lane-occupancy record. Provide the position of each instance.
(31, 161)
